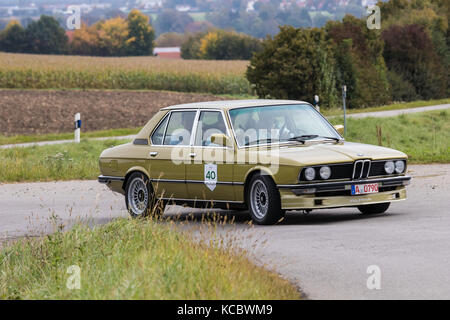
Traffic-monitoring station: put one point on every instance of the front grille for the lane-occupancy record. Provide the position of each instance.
(377, 169)
(361, 169)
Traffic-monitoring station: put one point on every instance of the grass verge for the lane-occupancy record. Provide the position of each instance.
(424, 137)
(130, 259)
(67, 136)
(54, 162)
(394, 106)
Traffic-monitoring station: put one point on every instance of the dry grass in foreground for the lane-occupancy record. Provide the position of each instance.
(134, 259)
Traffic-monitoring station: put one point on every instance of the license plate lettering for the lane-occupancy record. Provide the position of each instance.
(365, 188)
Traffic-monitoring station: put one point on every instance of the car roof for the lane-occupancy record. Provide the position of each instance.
(232, 104)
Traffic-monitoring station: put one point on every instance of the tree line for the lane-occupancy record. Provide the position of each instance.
(131, 36)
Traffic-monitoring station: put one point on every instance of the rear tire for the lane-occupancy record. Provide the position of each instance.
(263, 201)
(374, 208)
(140, 198)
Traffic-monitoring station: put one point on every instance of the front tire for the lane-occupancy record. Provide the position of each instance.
(374, 208)
(263, 200)
(139, 196)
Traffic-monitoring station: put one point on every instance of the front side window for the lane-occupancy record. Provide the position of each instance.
(275, 124)
(209, 123)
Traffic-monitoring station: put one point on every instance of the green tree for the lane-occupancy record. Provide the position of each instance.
(46, 36)
(410, 52)
(360, 64)
(191, 48)
(295, 64)
(141, 35)
(13, 38)
(221, 45)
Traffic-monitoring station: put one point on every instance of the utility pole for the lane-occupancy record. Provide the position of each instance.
(344, 95)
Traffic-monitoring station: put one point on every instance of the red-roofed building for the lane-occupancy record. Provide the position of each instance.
(169, 53)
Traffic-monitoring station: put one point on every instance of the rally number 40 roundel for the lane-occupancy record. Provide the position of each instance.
(211, 176)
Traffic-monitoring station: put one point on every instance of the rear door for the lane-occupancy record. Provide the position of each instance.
(169, 154)
(209, 176)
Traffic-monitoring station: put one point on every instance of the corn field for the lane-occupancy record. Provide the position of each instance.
(26, 71)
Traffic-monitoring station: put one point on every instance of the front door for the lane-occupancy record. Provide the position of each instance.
(210, 173)
(169, 154)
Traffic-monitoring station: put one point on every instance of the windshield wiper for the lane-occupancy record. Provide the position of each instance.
(256, 142)
(307, 137)
(304, 138)
(330, 138)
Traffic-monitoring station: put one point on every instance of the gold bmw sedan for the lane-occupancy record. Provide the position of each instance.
(265, 156)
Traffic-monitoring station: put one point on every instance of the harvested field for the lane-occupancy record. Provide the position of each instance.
(52, 111)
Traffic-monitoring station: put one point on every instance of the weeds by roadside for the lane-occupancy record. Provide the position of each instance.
(135, 259)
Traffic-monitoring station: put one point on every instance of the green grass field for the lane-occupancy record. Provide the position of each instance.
(55, 162)
(133, 259)
(424, 137)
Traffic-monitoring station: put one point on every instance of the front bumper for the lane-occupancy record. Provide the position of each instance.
(337, 194)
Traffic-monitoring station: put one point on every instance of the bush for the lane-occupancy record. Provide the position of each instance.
(401, 89)
(295, 64)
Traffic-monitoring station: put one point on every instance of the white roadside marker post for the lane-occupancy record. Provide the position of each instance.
(316, 102)
(77, 127)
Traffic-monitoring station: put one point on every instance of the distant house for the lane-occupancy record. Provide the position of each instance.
(69, 34)
(169, 53)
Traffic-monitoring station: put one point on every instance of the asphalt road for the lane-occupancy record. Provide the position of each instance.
(326, 253)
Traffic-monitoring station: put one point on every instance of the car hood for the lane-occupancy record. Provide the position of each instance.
(325, 153)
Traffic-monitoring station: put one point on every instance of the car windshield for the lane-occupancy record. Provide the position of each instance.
(278, 124)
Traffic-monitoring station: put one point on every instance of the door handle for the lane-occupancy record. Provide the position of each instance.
(192, 155)
(153, 154)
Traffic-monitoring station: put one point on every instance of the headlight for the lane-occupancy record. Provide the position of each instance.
(325, 173)
(389, 167)
(399, 166)
(310, 174)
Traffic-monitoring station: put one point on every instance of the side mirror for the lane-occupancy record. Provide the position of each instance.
(220, 139)
(340, 128)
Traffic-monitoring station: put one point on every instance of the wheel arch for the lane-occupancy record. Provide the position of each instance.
(134, 170)
(250, 174)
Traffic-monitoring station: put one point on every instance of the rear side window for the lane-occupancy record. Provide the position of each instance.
(158, 135)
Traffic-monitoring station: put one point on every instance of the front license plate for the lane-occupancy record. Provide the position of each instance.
(365, 188)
